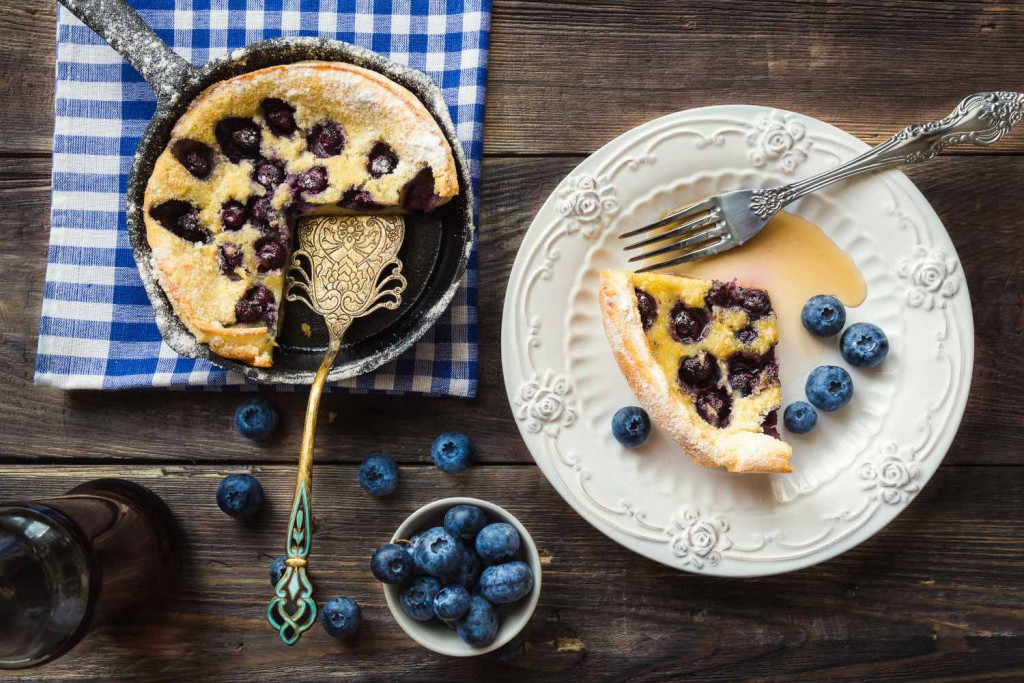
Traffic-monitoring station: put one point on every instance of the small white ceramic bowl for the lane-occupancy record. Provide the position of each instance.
(434, 635)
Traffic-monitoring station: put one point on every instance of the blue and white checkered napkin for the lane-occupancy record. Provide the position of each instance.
(97, 329)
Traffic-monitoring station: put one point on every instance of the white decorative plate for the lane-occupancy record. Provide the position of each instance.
(857, 470)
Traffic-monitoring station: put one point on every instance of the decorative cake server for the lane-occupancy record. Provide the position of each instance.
(345, 267)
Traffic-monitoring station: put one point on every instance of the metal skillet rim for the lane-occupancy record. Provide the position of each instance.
(236, 62)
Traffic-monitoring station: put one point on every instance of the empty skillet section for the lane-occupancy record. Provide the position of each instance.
(437, 246)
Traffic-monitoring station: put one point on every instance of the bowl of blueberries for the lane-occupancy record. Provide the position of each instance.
(461, 576)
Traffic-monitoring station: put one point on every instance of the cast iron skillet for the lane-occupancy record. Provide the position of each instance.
(436, 248)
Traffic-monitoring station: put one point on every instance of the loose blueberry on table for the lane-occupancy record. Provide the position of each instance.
(341, 617)
(864, 345)
(631, 425)
(823, 315)
(800, 417)
(378, 475)
(829, 387)
(452, 452)
(239, 495)
(256, 418)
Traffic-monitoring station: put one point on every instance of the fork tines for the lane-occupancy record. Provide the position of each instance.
(699, 232)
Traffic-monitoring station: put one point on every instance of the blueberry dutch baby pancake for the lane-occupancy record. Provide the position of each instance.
(700, 357)
(255, 151)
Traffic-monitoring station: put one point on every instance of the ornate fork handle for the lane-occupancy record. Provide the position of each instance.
(980, 119)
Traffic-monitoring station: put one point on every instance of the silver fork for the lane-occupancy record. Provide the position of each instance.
(728, 220)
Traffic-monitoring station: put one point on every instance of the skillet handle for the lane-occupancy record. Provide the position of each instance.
(125, 31)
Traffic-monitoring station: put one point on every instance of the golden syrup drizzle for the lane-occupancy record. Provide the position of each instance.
(793, 260)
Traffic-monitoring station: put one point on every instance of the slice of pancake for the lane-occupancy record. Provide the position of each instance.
(700, 357)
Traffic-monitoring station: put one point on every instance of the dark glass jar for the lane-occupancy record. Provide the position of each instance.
(69, 563)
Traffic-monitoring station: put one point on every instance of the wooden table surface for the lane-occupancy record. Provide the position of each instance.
(938, 595)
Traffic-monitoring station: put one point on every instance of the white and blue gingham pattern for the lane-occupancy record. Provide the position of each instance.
(97, 329)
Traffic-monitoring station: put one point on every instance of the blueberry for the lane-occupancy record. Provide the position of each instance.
(746, 335)
(233, 214)
(181, 219)
(378, 475)
(326, 139)
(699, 372)
(391, 564)
(279, 115)
(256, 418)
(417, 600)
(381, 160)
(769, 424)
(465, 521)
(829, 387)
(468, 572)
(239, 495)
(451, 602)
(864, 345)
(823, 315)
(358, 199)
(749, 373)
(506, 582)
(341, 617)
(755, 302)
(647, 307)
(238, 138)
(313, 180)
(418, 193)
(452, 452)
(268, 173)
(230, 259)
(631, 425)
(497, 543)
(256, 304)
(479, 626)
(270, 254)
(688, 325)
(800, 417)
(195, 156)
(437, 552)
(714, 406)
(277, 569)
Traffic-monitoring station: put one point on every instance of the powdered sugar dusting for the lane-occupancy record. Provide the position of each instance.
(185, 84)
